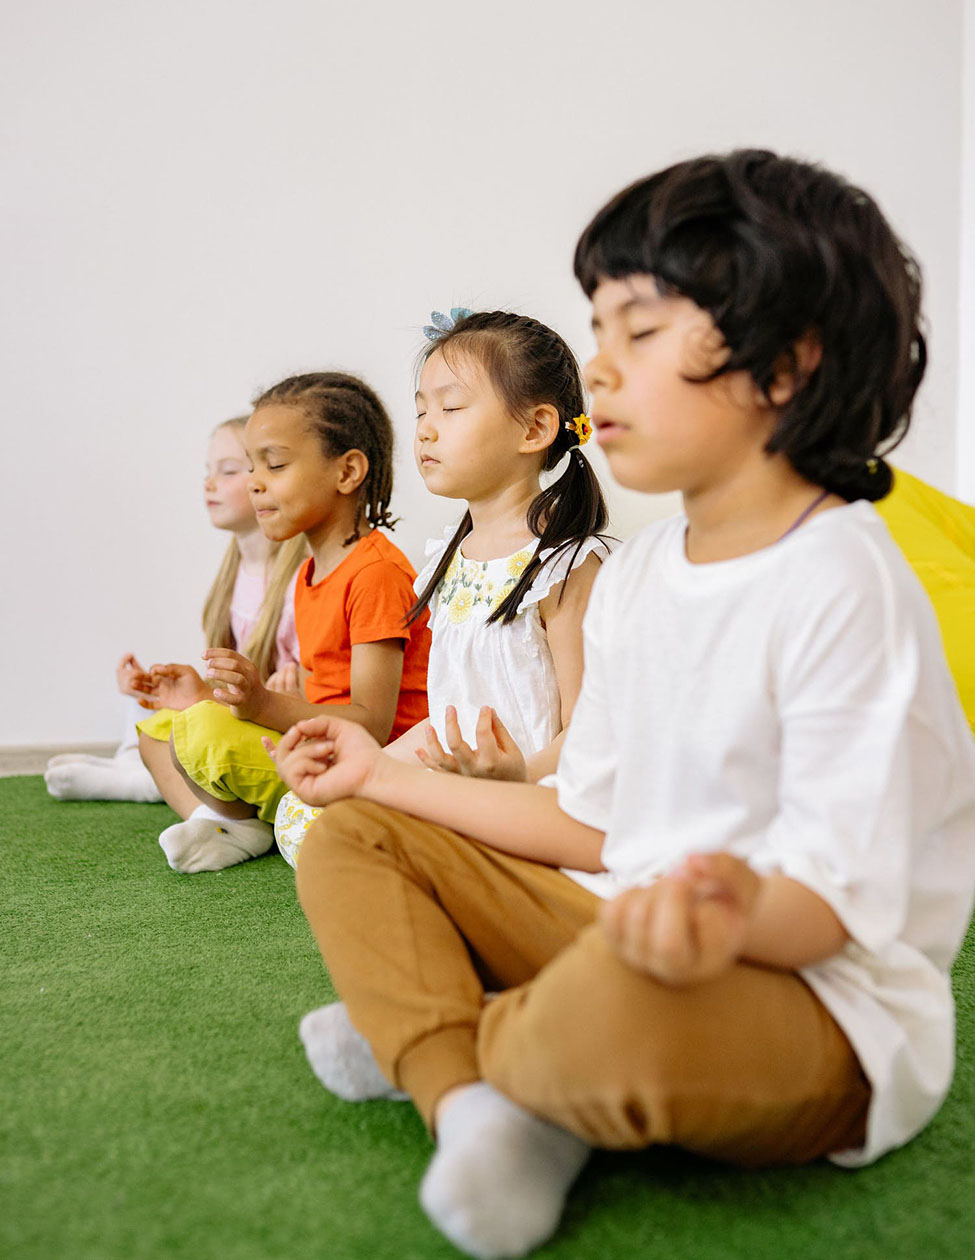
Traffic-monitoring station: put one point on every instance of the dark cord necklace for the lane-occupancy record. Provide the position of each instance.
(803, 514)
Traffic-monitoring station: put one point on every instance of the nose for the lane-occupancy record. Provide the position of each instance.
(599, 372)
(254, 483)
(209, 481)
(425, 429)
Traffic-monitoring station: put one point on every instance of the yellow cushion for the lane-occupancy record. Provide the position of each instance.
(937, 535)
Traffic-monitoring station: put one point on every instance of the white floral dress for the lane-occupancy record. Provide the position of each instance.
(473, 663)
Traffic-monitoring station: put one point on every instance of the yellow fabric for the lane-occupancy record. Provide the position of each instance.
(224, 755)
(158, 726)
(937, 535)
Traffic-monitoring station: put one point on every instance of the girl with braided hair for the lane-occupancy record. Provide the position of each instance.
(320, 450)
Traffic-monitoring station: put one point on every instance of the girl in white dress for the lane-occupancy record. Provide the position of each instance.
(500, 404)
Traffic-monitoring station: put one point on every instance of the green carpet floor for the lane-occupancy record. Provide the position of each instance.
(156, 1102)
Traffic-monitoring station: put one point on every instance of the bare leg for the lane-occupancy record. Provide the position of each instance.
(169, 778)
(226, 809)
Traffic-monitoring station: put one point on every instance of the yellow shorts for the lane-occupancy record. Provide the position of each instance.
(158, 726)
(937, 536)
(224, 756)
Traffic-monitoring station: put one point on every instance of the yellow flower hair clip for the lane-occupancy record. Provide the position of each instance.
(581, 426)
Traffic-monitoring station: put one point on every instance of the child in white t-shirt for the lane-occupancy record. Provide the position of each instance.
(767, 775)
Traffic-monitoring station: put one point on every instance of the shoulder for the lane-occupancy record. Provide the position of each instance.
(556, 564)
(376, 556)
(432, 554)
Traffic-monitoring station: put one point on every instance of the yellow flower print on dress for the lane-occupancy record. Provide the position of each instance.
(518, 563)
(461, 604)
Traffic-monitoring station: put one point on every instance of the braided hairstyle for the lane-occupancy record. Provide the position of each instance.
(529, 365)
(346, 415)
(775, 249)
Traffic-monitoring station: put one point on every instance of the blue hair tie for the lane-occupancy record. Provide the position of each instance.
(441, 324)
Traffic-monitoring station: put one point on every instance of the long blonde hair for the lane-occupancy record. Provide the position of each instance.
(282, 561)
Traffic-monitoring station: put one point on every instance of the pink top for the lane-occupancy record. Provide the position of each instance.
(245, 608)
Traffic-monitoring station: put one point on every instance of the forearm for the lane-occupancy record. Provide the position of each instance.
(546, 761)
(280, 710)
(791, 926)
(518, 818)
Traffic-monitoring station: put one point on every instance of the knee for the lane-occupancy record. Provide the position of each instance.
(585, 1016)
(341, 831)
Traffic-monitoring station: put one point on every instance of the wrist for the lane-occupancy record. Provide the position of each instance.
(379, 784)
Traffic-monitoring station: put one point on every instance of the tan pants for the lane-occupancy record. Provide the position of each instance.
(415, 922)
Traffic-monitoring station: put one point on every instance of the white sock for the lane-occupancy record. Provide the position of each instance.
(209, 842)
(79, 759)
(341, 1057)
(81, 777)
(498, 1181)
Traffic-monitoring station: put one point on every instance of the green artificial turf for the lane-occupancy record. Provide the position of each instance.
(156, 1101)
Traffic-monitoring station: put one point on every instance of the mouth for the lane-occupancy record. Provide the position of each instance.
(607, 429)
(261, 512)
(427, 461)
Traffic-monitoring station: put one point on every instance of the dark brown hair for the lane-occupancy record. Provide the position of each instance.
(775, 249)
(346, 415)
(529, 365)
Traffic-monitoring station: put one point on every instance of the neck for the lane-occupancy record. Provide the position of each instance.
(254, 550)
(329, 544)
(499, 520)
(748, 510)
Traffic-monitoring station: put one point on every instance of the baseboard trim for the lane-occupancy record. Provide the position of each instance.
(26, 759)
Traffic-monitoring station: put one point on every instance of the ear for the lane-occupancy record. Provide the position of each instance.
(352, 469)
(541, 431)
(792, 373)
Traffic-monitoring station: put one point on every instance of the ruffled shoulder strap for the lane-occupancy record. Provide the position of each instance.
(434, 549)
(558, 562)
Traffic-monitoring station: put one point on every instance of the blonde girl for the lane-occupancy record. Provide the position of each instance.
(250, 605)
(500, 409)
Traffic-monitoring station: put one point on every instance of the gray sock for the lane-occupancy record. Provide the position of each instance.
(498, 1181)
(341, 1057)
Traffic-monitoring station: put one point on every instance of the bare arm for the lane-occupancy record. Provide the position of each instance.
(374, 680)
(325, 760)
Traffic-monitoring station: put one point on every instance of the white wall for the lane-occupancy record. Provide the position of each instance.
(202, 197)
(965, 451)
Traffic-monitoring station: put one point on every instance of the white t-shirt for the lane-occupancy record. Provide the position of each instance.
(508, 667)
(793, 707)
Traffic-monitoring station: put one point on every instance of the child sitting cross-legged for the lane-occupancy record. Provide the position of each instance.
(320, 450)
(767, 775)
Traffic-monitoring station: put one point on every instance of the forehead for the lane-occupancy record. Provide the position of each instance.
(615, 297)
(226, 442)
(438, 375)
(276, 424)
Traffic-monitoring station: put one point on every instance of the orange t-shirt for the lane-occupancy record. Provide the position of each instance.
(364, 599)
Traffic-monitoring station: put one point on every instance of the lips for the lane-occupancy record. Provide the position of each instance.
(607, 428)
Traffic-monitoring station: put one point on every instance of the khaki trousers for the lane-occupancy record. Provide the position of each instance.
(415, 922)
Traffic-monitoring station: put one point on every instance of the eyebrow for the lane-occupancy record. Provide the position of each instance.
(628, 305)
(273, 447)
(439, 391)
